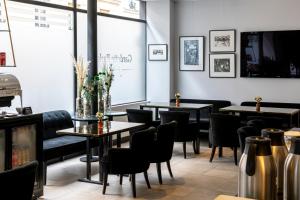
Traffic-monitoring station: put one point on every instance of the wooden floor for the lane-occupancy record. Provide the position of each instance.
(195, 178)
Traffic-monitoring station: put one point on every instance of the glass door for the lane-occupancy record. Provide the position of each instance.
(2, 150)
(23, 145)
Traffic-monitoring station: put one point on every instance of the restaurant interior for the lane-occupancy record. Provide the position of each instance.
(149, 99)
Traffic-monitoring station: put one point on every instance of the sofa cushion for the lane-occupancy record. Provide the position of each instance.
(63, 145)
(56, 120)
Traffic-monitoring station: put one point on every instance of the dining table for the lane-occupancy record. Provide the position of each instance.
(291, 112)
(182, 106)
(104, 137)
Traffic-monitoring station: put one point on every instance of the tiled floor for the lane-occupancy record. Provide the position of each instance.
(195, 178)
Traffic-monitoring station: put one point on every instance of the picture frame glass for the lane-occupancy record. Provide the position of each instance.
(222, 41)
(191, 54)
(157, 52)
(222, 66)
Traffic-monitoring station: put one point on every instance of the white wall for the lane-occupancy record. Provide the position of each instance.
(159, 80)
(198, 17)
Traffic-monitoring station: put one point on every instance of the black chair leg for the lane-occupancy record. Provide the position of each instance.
(147, 180)
(220, 152)
(169, 168)
(133, 185)
(213, 151)
(158, 167)
(121, 179)
(45, 172)
(184, 149)
(235, 155)
(104, 182)
(196, 145)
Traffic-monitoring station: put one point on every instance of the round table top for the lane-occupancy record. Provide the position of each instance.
(91, 118)
(115, 113)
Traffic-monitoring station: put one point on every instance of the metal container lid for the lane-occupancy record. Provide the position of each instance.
(262, 145)
(276, 136)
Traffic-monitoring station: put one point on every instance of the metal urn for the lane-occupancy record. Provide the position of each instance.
(292, 172)
(279, 152)
(257, 170)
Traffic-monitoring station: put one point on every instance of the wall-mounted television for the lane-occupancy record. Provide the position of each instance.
(270, 54)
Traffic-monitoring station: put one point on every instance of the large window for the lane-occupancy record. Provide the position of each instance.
(121, 43)
(43, 44)
(125, 8)
(43, 39)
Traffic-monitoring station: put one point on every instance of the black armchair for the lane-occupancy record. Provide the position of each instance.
(185, 131)
(130, 160)
(246, 131)
(18, 183)
(142, 116)
(162, 149)
(262, 122)
(223, 133)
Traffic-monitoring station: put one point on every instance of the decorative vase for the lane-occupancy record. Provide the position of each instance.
(257, 106)
(79, 107)
(108, 103)
(177, 102)
(100, 124)
(87, 108)
(100, 105)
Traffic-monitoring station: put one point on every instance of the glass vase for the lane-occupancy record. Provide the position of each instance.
(100, 105)
(107, 103)
(79, 107)
(87, 108)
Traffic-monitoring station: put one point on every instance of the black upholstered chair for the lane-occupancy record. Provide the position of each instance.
(162, 149)
(142, 116)
(223, 133)
(185, 131)
(131, 160)
(265, 122)
(18, 183)
(246, 131)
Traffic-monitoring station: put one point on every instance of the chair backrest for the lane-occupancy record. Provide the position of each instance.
(140, 116)
(141, 143)
(54, 121)
(182, 119)
(18, 183)
(246, 131)
(223, 130)
(262, 122)
(165, 140)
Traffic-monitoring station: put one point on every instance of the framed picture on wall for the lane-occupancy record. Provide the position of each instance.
(222, 40)
(191, 53)
(222, 65)
(157, 52)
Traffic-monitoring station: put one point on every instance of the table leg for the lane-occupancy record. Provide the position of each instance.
(88, 159)
(119, 140)
(291, 121)
(141, 107)
(156, 113)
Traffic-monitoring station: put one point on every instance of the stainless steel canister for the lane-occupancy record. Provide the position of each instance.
(257, 170)
(279, 152)
(291, 181)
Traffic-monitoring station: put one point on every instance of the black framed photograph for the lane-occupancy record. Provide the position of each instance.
(222, 65)
(157, 52)
(191, 53)
(222, 41)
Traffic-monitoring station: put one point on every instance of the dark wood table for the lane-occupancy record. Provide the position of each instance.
(182, 106)
(104, 137)
(268, 110)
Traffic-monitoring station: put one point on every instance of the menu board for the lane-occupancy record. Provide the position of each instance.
(2, 150)
(35, 16)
